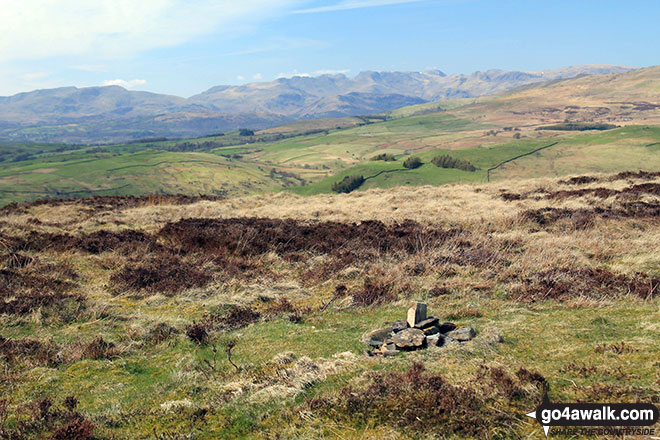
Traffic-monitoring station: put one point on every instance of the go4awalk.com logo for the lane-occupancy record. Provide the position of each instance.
(604, 415)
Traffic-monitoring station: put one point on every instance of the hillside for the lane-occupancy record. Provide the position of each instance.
(181, 317)
(101, 115)
(309, 156)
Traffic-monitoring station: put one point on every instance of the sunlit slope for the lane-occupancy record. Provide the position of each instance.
(140, 173)
(312, 155)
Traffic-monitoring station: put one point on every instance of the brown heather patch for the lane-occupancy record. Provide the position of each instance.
(233, 318)
(97, 204)
(28, 287)
(160, 333)
(616, 348)
(628, 175)
(43, 418)
(35, 352)
(197, 333)
(288, 238)
(601, 193)
(583, 218)
(568, 282)
(579, 180)
(124, 242)
(426, 402)
(374, 291)
(509, 197)
(159, 273)
(630, 192)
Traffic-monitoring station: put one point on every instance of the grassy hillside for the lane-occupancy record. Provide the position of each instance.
(632, 147)
(312, 155)
(117, 314)
(145, 172)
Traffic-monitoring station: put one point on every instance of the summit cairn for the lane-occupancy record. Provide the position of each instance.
(418, 331)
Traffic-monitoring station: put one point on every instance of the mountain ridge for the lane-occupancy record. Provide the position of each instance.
(112, 113)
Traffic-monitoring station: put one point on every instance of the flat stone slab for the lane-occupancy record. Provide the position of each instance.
(446, 327)
(431, 331)
(428, 322)
(399, 325)
(409, 339)
(376, 338)
(462, 334)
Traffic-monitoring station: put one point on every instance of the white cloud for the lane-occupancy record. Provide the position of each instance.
(123, 83)
(240, 78)
(331, 72)
(35, 29)
(293, 74)
(258, 76)
(353, 4)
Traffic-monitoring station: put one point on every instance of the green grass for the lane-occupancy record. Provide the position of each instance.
(547, 338)
(231, 164)
(139, 173)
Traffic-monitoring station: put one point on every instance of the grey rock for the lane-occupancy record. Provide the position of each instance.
(373, 343)
(462, 334)
(399, 325)
(416, 313)
(409, 339)
(436, 340)
(389, 346)
(429, 322)
(431, 331)
(446, 327)
(375, 338)
(388, 353)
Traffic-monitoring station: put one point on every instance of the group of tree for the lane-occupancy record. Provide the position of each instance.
(413, 162)
(348, 184)
(384, 156)
(446, 161)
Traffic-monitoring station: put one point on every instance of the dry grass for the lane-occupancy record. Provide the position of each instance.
(163, 298)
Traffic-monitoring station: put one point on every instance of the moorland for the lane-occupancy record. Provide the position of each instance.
(236, 307)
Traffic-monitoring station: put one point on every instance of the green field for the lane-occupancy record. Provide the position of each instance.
(307, 157)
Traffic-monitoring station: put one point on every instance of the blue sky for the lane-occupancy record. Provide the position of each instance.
(183, 47)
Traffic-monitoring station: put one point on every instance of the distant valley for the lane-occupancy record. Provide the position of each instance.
(102, 115)
(591, 124)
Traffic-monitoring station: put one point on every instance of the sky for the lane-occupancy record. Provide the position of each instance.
(183, 47)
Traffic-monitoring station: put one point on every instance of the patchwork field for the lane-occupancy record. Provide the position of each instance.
(603, 123)
(177, 317)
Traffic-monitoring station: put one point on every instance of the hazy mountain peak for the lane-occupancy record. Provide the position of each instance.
(257, 105)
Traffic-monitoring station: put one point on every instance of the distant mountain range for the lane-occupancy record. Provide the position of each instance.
(114, 114)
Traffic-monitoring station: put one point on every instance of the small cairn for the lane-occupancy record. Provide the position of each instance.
(417, 332)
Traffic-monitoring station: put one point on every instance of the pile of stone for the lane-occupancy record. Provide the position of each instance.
(418, 331)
